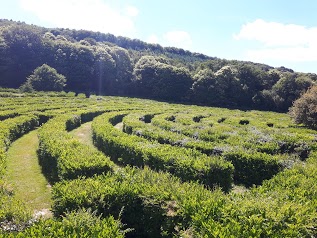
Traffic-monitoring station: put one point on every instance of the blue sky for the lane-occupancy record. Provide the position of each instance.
(274, 32)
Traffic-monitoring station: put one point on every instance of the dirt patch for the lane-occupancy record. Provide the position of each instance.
(119, 126)
(42, 214)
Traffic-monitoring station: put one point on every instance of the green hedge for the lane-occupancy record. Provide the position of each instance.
(185, 163)
(151, 203)
(81, 224)
(252, 167)
(63, 157)
(159, 205)
(133, 125)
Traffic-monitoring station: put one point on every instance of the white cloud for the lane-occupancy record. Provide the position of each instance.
(153, 39)
(132, 11)
(295, 54)
(95, 15)
(180, 39)
(285, 42)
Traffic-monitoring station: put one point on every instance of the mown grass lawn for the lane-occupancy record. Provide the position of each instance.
(25, 176)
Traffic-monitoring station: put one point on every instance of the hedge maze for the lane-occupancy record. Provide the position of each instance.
(162, 170)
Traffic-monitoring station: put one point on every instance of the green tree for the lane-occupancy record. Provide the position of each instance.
(123, 69)
(304, 109)
(220, 88)
(45, 78)
(21, 48)
(104, 72)
(158, 80)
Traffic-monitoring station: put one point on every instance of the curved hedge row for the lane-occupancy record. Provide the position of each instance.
(62, 156)
(188, 164)
(157, 204)
(153, 204)
(133, 125)
(250, 167)
(74, 224)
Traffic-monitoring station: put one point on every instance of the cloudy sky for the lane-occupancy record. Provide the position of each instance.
(274, 32)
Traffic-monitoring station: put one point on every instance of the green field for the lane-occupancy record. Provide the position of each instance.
(127, 167)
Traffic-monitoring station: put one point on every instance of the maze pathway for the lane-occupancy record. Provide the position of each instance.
(84, 133)
(25, 176)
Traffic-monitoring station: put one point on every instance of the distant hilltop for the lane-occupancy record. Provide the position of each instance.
(99, 63)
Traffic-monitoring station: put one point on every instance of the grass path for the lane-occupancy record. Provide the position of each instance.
(84, 133)
(25, 176)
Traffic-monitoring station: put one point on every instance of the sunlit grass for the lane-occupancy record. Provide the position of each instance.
(83, 133)
(25, 176)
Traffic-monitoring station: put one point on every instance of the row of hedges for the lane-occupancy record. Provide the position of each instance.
(62, 156)
(74, 224)
(250, 167)
(153, 204)
(159, 205)
(132, 125)
(257, 136)
(188, 164)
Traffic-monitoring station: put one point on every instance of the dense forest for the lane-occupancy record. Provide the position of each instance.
(103, 64)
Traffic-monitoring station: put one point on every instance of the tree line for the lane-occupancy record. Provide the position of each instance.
(103, 64)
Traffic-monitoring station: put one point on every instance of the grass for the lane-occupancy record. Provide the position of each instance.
(83, 134)
(25, 176)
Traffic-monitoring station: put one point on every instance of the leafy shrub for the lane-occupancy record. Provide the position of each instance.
(304, 109)
(74, 224)
(252, 168)
(153, 204)
(44, 78)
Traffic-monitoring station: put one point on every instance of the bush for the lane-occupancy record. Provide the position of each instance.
(154, 204)
(81, 224)
(44, 78)
(304, 109)
(252, 168)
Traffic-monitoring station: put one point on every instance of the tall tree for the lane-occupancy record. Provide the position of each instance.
(22, 51)
(160, 80)
(46, 78)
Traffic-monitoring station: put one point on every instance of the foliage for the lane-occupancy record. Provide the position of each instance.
(44, 78)
(63, 157)
(178, 149)
(103, 64)
(304, 109)
(188, 164)
(152, 203)
(252, 168)
(74, 224)
(160, 80)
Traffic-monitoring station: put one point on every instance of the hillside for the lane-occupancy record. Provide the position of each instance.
(103, 64)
